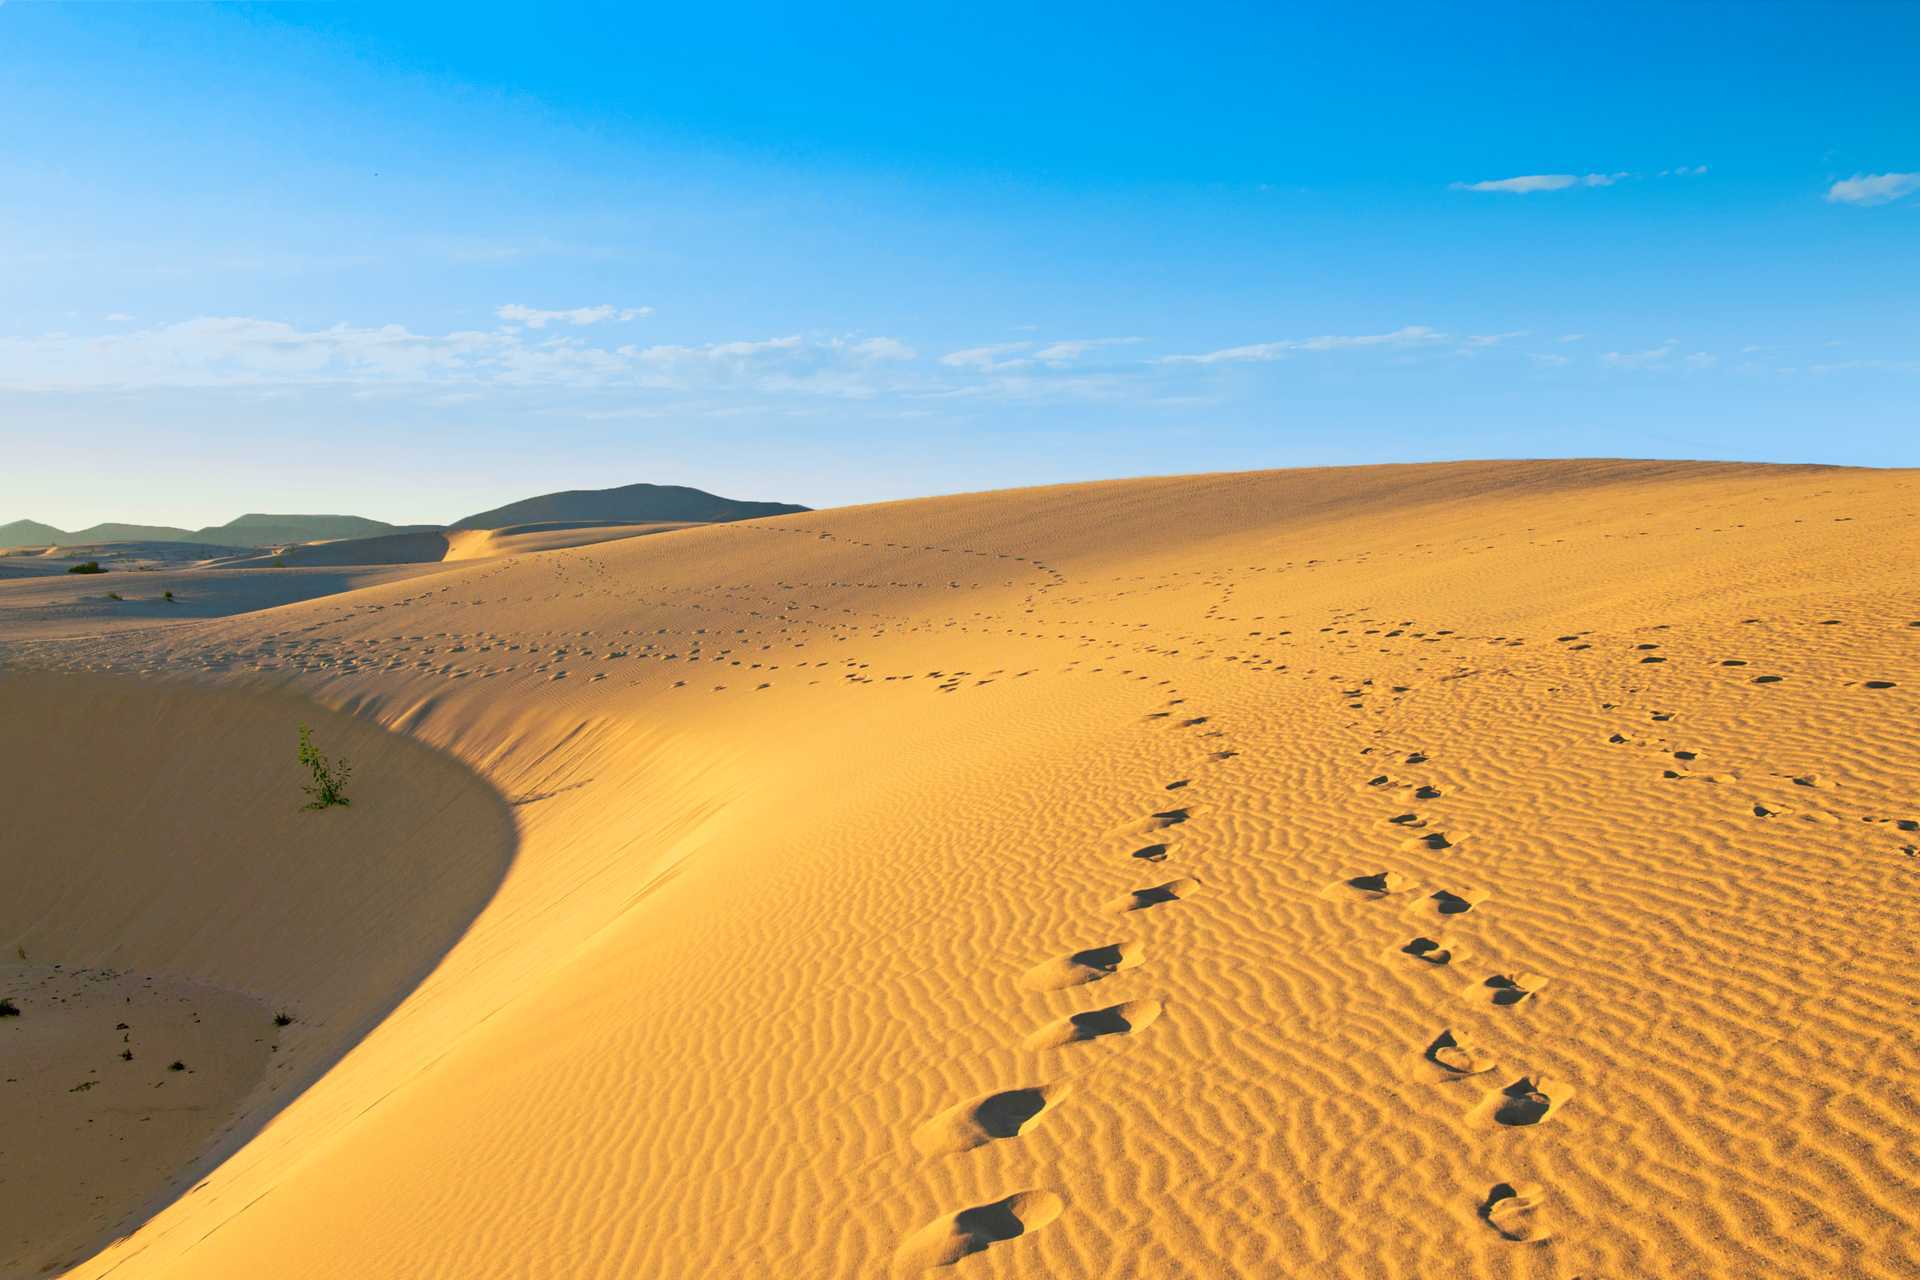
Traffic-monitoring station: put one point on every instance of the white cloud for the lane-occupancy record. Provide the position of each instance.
(986, 359)
(1873, 188)
(1481, 341)
(1661, 357)
(1651, 358)
(1060, 353)
(1571, 337)
(1527, 184)
(883, 349)
(1548, 360)
(1410, 336)
(534, 318)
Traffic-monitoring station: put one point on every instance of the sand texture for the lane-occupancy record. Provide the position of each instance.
(1464, 870)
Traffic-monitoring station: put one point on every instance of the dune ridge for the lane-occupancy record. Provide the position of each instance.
(1084, 880)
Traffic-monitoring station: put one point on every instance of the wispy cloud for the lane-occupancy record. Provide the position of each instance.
(1650, 358)
(1410, 336)
(883, 349)
(1873, 188)
(535, 318)
(1061, 353)
(1529, 183)
(985, 359)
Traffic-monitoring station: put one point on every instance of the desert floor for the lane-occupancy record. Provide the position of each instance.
(1494, 869)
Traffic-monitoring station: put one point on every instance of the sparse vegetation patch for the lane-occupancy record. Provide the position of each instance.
(329, 785)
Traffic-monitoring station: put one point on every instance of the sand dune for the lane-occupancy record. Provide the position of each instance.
(1497, 869)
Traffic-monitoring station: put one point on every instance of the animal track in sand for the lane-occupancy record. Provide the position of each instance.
(1171, 891)
(1527, 1101)
(1378, 884)
(1223, 755)
(1433, 840)
(1511, 988)
(1459, 1055)
(1086, 966)
(981, 1120)
(954, 1236)
(1434, 951)
(1114, 1020)
(1445, 902)
(1515, 1211)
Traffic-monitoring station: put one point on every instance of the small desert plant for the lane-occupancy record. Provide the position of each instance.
(176, 1065)
(86, 566)
(8, 1009)
(115, 595)
(282, 1018)
(329, 785)
(279, 562)
(166, 595)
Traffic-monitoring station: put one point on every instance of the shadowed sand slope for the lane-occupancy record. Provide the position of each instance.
(1497, 869)
(166, 897)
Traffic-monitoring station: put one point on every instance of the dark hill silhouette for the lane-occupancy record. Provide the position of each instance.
(626, 504)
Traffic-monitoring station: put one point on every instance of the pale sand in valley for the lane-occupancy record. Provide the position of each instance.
(1494, 869)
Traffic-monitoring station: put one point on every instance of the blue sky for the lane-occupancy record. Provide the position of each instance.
(411, 262)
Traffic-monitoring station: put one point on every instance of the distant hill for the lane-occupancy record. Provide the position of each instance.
(254, 530)
(628, 503)
(30, 533)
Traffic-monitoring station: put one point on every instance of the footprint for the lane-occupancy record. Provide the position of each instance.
(1511, 989)
(1433, 840)
(983, 1120)
(1459, 1055)
(1114, 1020)
(1515, 1211)
(1527, 1101)
(1083, 967)
(1445, 902)
(947, 1239)
(1171, 891)
(1434, 951)
(1378, 885)
(1151, 853)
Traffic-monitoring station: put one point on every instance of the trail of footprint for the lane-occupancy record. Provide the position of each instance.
(954, 1236)
(1114, 1020)
(977, 1122)
(1082, 967)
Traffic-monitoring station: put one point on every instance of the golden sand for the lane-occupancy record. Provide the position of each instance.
(1499, 869)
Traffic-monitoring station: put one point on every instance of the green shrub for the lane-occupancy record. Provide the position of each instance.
(86, 566)
(8, 1009)
(115, 595)
(167, 596)
(329, 785)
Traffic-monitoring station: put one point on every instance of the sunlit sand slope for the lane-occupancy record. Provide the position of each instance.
(1466, 870)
